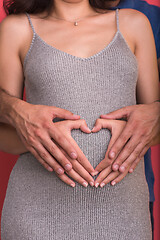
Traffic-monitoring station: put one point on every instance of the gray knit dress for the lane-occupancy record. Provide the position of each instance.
(38, 205)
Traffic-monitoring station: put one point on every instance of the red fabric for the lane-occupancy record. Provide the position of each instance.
(154, 2)
(8, 161)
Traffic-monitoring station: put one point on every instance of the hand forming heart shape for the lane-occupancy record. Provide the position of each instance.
(81, 168)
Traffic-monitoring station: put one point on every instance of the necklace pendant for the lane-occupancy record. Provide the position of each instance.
(75, 23)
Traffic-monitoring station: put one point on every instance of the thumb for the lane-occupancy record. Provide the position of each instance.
(102, 123)
(65, 114)
(118, 114)
(79, 124)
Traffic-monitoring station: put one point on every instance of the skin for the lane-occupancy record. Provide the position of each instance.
(139, 118)
(34, 123)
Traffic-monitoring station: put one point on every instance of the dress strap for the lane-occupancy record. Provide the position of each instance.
(30, 22)
(117, 18)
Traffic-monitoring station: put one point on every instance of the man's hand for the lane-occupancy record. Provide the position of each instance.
(40, 135)
(141, 132)
(104, 168)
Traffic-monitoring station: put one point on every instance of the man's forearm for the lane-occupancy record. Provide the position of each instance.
(8, 106)
(156, 140)
(10, 142)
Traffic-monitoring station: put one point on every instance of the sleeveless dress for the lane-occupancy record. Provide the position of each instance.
(38, 205)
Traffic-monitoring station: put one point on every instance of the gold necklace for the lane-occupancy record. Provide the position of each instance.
(74, 22)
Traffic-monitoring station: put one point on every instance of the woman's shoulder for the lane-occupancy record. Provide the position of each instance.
(14, 28)
(133, 18)
(13, 22)
(135, 24)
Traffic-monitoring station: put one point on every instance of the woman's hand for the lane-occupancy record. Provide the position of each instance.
(35, 126)
(104, 168)
(80, 166)
(142, 131)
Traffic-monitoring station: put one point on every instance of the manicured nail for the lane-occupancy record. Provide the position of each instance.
(91, 183)
(89, 129)
(73, 155)
(60, 171)
(102, 184)
(72, 184)
(122, 168)
(85, 184)
(131, 170)
(115, 167)
(68, 167)
(96, 185)
(113, 183)
(94, 173)
(50, 169)
(112, 154)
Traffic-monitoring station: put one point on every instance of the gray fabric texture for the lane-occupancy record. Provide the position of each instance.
(38, 205)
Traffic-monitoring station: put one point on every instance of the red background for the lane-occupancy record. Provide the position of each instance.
(7, 162)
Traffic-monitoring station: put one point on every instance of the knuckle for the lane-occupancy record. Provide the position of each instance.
(43, 155)
(136, 153)
(137, 160)
(124, 138)
(38, 133)
(30, 140)
(134, 124)
(46, 125)
(60, 138)
(129, 148)
(119, 160)
(108, 179)
(126, 164)
(107, 162)
(63, 161)
(147, 140)
(52, 149)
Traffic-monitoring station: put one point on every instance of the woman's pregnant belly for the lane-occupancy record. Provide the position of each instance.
(93, 145)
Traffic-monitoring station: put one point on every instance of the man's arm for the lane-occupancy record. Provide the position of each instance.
(159, 66)
(33, 123)
(142, 129)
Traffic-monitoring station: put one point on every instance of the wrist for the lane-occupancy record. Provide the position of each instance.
(10, 108)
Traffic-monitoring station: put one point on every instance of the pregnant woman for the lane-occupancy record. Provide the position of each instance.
(79, 56)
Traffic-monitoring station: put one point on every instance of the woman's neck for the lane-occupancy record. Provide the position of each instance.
(72, 9)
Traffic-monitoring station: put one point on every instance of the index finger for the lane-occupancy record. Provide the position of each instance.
(121, 141)
(81, 158)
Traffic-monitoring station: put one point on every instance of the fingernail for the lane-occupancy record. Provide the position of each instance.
(91, 183)
(60, 171)
(131, 170)
(113, 183)
(68, 167)
(73, 155)
(96, 185)
(112, 154)
(102, 184)
(122, 168)
(89, 129)
(50, 169)
(72, 184)
(85, 184)
(115, 167)
(76, 115)
(94, 173)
